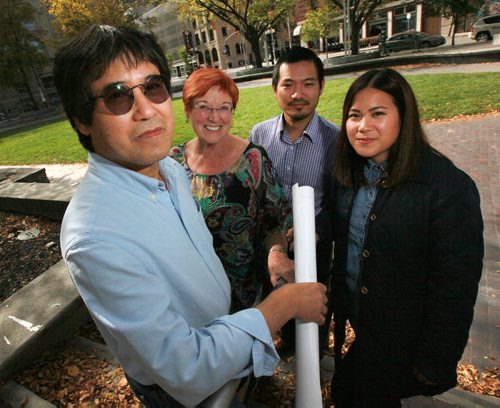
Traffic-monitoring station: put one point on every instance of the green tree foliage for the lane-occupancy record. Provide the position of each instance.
(358, 13)
(73, 16)
(454, 9)
(184, 57)
(321, 24)
(21, 45)
(251, 18)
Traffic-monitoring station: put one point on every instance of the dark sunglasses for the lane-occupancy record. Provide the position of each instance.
(119, 98)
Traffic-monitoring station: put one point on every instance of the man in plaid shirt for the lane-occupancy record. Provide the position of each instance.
(299, 142)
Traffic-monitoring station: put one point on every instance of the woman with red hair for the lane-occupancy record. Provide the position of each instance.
(237, 189)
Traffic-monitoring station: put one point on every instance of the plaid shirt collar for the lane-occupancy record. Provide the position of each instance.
(311, 130)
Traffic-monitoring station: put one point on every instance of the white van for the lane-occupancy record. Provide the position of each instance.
(484, 28)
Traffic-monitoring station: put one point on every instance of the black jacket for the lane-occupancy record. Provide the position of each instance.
(422, 262)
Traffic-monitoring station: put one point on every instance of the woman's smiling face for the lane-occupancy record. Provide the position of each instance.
(211, 115)
(373, 124)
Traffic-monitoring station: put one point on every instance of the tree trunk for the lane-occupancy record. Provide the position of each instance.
(26, 81)
(355, 28)
(254, 43)
(454, 22)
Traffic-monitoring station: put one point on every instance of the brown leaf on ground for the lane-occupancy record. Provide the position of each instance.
(486, 383)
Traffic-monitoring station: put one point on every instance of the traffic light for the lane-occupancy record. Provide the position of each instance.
(226, 51)
(188, 41)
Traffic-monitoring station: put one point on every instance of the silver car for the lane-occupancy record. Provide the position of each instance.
(485, 28)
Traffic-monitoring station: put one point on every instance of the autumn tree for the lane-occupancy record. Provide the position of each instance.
(251, 18)
(454, 9)
(321, 24)
(73, 16)
(21, 46)
(358, 13)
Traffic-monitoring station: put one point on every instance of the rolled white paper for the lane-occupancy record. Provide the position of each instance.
(307, 382)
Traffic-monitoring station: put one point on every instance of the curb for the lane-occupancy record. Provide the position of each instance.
(37, 317)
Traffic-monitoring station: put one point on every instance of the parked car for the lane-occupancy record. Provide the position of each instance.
(412, 40)
(335, 46)
(484, 28)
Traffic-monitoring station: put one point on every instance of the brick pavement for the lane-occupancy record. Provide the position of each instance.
(474, 146)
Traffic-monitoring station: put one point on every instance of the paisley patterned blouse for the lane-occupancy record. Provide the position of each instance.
(242, 207)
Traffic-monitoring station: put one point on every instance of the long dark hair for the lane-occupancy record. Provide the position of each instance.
(405, 155)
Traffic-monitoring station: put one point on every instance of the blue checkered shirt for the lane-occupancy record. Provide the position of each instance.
(308, 161)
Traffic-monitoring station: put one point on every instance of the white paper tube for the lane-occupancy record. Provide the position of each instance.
(307, 382)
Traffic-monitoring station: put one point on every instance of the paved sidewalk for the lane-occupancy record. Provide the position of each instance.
(474, 146)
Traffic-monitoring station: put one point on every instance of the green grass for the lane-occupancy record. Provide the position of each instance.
(440, 96)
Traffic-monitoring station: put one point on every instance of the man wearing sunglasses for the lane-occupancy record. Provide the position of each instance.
(135, 242)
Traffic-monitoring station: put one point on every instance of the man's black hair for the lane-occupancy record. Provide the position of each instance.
(87, 57)
(297, 54)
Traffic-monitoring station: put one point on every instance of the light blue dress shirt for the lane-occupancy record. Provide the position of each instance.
(142, 259)
(308, 161)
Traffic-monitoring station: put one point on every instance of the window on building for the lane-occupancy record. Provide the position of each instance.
(211, 34)
(194, 23)
(224, 31)
(204, 37)
(238, 49)
(208, 60)
(215, 55)
(197, 39)
(410, 8)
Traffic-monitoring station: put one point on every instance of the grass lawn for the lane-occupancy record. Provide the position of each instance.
(439, 95)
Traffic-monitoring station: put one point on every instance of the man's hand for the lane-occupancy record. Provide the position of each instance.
(304, 301)
(280, 266)
(289, 239)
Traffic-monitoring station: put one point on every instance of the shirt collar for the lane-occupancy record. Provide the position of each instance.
(311, 130)
(373, 171)
(128, 179)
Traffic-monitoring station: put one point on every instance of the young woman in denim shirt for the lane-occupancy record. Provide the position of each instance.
(408, 238)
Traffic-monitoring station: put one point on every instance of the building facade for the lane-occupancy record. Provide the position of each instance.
(38, 92)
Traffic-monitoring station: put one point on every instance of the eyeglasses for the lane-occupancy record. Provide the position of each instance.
(119, 98)
(224, 110)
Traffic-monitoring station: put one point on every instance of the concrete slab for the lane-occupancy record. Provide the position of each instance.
(23, 175)
(18, 396)
(47, 199)
(37, 317)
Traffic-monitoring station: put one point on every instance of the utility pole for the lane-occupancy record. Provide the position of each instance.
(289, 33)
(347, 28)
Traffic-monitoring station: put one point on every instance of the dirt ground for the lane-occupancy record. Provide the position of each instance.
(21, 261)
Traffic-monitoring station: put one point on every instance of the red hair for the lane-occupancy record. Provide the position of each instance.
(201, 80)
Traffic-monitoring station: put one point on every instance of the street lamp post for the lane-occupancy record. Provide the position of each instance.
(346, 30)
(289, 33)
(272, 44)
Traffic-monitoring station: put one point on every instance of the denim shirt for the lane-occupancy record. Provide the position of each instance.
(362, 206)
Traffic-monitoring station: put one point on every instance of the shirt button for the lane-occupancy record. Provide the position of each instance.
(366, 253)
(373, 217)
(364, 290)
